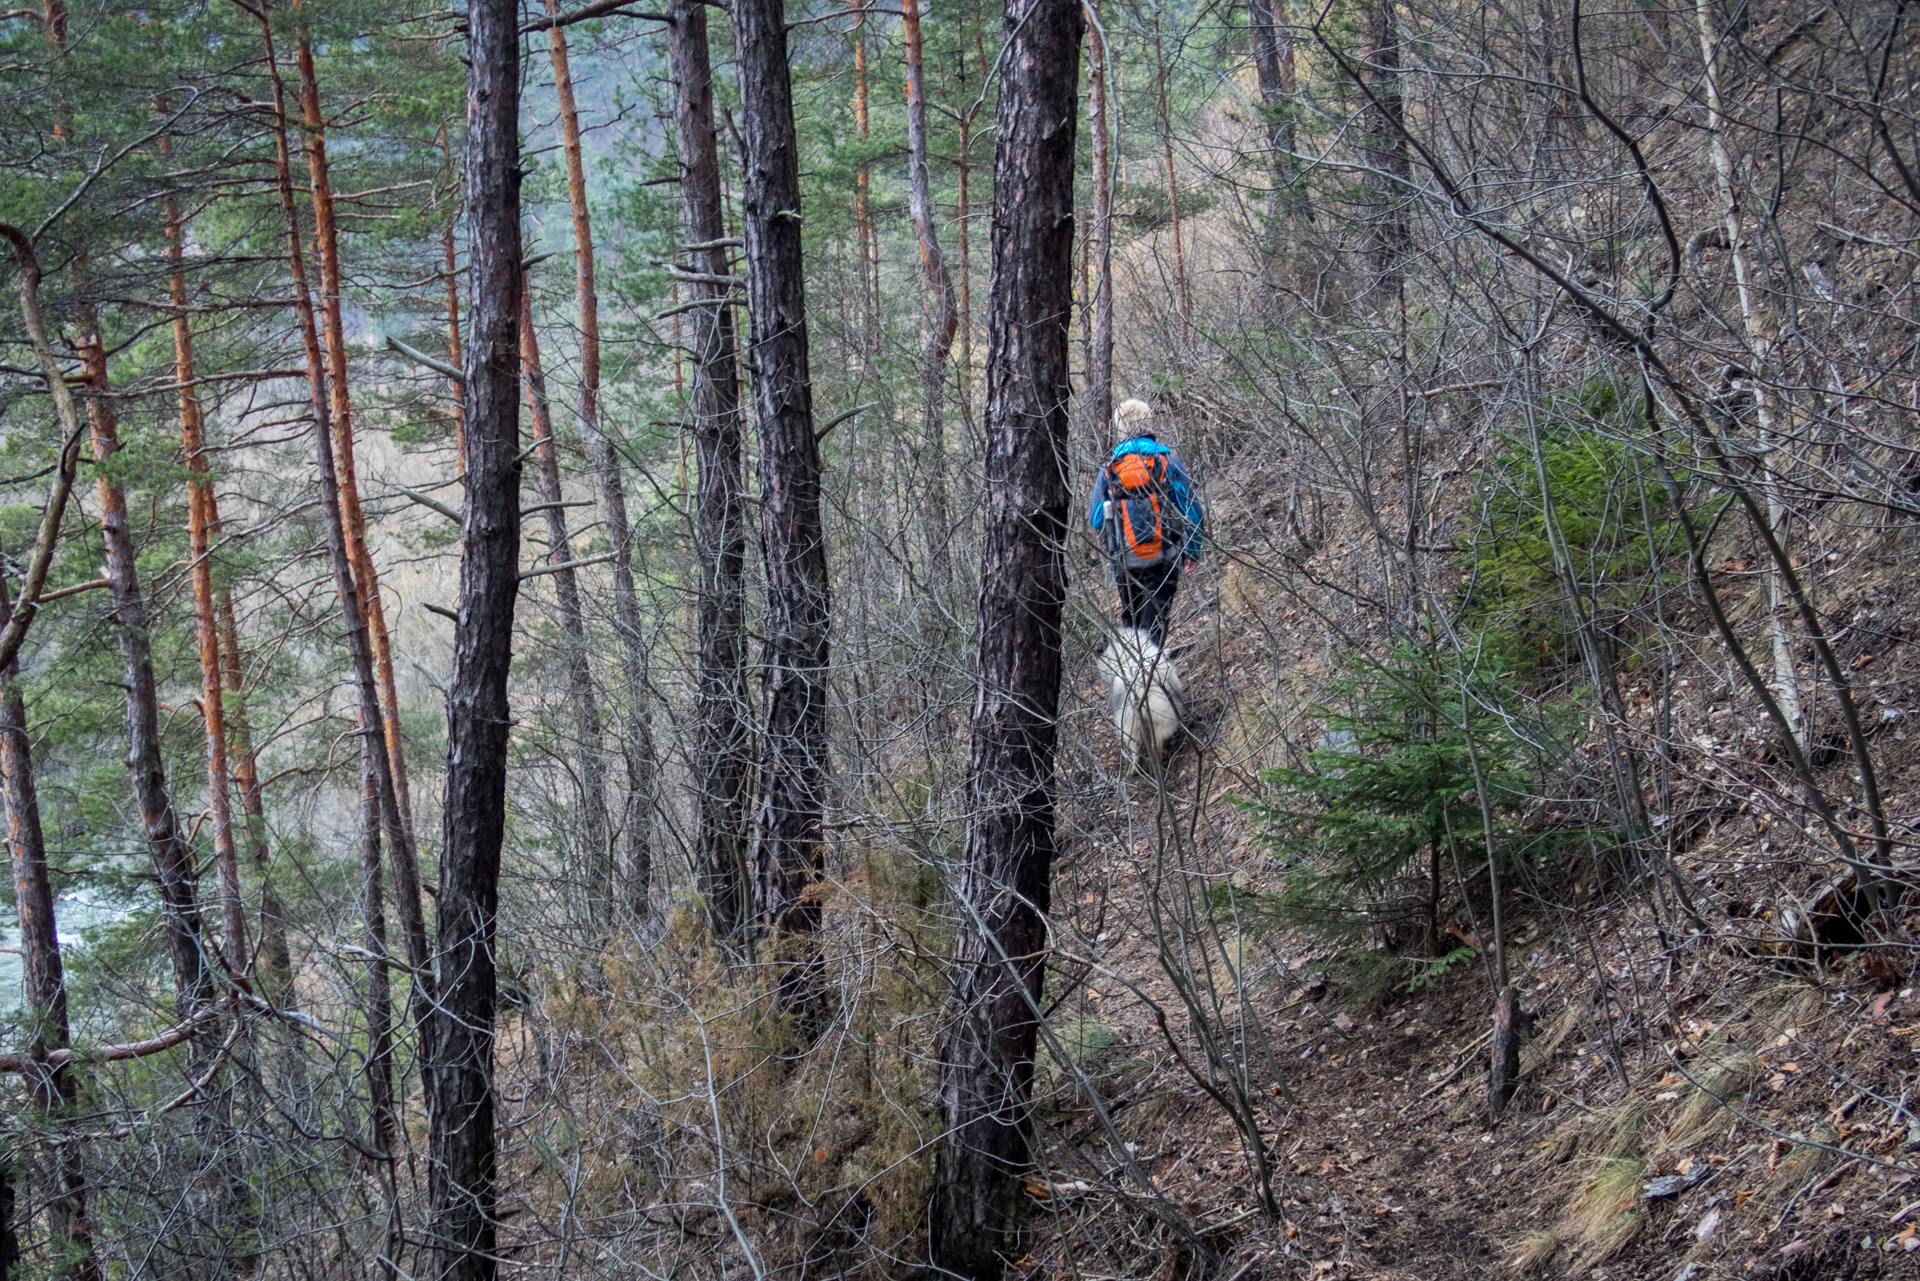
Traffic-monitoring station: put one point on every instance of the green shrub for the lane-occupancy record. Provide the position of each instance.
(1371, 831)
(1612, 520)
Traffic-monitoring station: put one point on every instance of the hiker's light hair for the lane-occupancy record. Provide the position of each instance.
(1131, 417)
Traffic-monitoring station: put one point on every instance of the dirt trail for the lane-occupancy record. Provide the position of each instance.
(1615, 1160)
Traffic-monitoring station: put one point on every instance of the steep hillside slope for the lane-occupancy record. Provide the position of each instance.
(1707, 1091)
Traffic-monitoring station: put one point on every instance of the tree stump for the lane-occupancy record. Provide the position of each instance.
(1509, 1024)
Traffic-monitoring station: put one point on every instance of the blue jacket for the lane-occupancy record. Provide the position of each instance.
(1177, 479)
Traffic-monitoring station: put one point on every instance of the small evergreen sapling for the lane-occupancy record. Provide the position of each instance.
(1387, 808)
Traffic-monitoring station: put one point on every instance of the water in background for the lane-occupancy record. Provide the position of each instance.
(74, 914)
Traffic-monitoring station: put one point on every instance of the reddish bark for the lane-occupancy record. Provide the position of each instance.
(379, 806)
(222, 699)
(327, 238)
(637, 818)
(865, 240)
(206, 626)
(359, 645)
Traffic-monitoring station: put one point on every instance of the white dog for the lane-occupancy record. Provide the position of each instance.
(1143, 693)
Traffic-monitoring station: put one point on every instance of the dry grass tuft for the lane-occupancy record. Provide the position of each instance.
(1536, 1250)
(1629, 1122)
(1716, 1083)
(1607, 1216)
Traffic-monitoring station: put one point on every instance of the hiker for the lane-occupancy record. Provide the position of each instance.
(1144, 501)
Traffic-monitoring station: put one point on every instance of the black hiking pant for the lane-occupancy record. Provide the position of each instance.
(1145, 597)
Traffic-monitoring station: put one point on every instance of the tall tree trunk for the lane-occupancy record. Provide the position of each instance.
(459, 1044)
(43, 978)
(1101, 392)
(396, 812)
(1384, 149)
(722, 736)
(573, 628)
(793, 741)
(193, 977)
(637, 818)
(1184, 294)
(340, 557)
(986, 1073)
(399, 816)
(226, 1220)
(376, 1008)
(942, 315)
(206, 627)
(377, 1002)
(379, 804)
(1273, 68)
(862, 189)
(1786, 681)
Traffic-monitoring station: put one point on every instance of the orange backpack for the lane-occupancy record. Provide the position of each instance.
(1146, 525)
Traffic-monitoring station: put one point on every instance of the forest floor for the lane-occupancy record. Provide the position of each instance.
(1614, 1160)
(1695, 1104)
